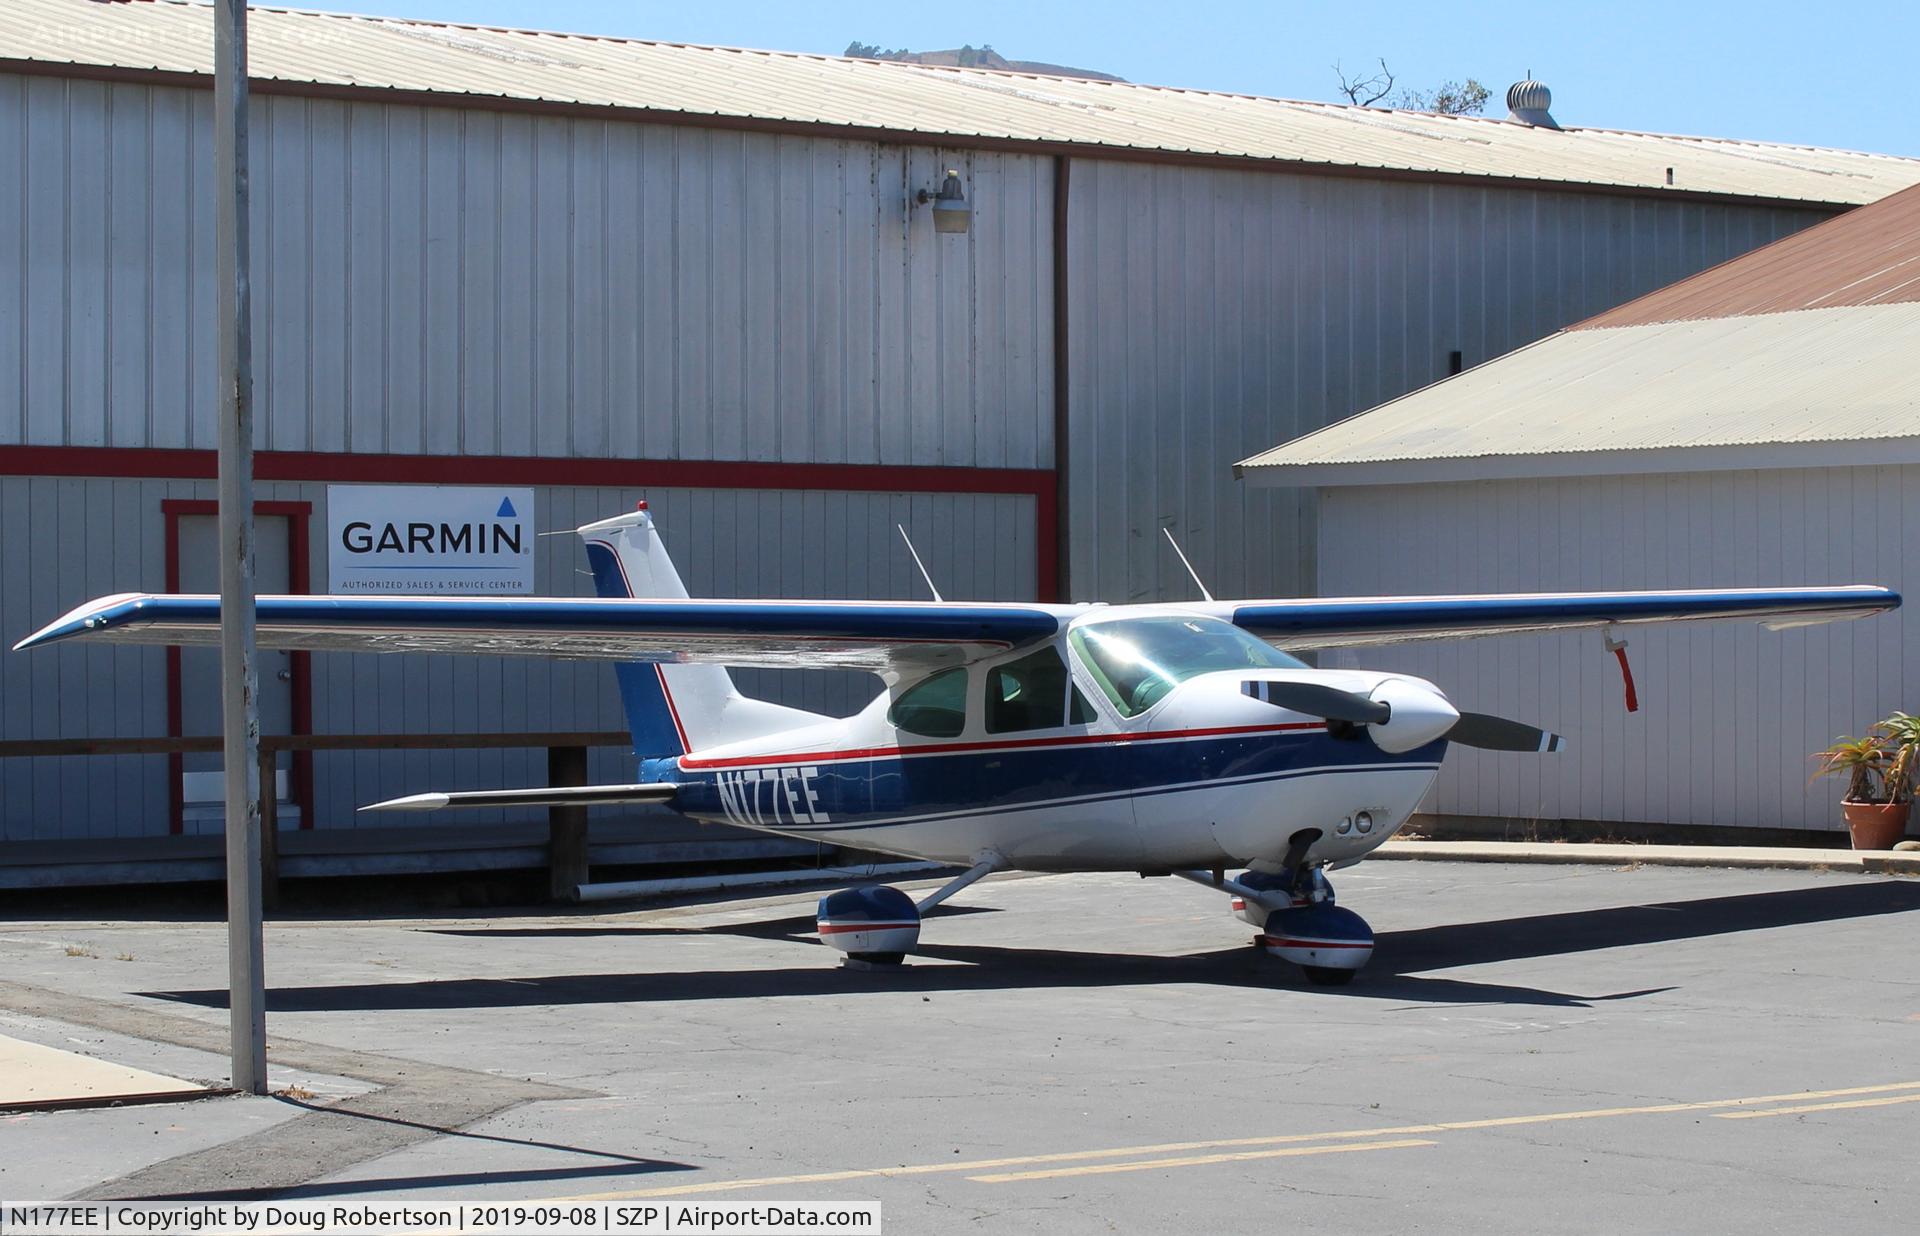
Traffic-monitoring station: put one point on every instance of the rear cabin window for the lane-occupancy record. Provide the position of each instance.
(1028, 694)
(933, 708)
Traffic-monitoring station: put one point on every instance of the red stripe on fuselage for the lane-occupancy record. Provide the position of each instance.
(961, 748)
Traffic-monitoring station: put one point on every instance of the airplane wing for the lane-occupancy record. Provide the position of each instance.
(880, 636)
(1352, 622)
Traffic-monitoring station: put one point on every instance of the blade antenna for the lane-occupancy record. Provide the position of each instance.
(916, 561)
(1168, 533)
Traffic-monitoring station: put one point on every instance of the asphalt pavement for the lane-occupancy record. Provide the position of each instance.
(1536, 1048)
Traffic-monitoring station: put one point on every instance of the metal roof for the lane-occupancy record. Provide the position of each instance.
(1803, 388)
(1869, 256)
(305, 51)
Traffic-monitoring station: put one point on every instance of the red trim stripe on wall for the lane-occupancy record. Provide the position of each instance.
(300, 582)
(1041, 484)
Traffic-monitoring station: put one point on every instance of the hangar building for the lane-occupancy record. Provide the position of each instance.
(1755, 425)
(603, 268)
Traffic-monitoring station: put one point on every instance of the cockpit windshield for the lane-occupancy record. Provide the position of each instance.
(1136, 661)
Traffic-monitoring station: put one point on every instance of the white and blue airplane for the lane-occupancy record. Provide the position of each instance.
(1168, 739)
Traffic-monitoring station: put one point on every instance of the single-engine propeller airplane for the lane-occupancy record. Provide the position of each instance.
(1169, 739)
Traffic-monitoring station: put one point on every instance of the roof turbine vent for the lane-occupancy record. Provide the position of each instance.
(1527, 103)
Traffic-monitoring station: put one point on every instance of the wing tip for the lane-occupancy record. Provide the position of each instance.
(411, 802)
(80, 620)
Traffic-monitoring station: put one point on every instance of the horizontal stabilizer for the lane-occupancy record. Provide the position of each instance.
(539, 796)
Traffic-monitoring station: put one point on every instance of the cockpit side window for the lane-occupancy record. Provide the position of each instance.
(935, 707)
(1080, 710)
(1028, 694)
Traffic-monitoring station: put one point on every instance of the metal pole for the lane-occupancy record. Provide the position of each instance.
(239, 709)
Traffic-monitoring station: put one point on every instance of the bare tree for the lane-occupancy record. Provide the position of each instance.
(1449, 98)
(1375, 88)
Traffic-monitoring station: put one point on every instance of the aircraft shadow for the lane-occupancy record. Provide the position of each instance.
(1582, 931)
(986, 969)
(763, 929)
(1396, 972)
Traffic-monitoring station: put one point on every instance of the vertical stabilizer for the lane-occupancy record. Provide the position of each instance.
(672, 709)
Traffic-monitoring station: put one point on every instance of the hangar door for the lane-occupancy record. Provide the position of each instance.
(202, 783)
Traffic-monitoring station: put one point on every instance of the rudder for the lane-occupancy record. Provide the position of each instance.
(671, 708)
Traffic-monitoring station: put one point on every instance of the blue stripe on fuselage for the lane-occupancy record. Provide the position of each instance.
(922, 785)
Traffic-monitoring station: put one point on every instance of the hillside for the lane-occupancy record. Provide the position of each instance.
(971, 57)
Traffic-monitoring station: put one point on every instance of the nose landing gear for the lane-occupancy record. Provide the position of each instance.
(1328, 942)
(1293, 906)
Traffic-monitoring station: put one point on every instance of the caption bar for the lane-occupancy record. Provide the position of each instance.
(428, 1218)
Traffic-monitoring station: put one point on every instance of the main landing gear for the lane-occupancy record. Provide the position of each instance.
(1297, 917)
(877, 925)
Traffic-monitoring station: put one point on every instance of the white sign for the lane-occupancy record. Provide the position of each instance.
(443, 540)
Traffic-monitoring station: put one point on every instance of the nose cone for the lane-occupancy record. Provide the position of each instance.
(1420, 715)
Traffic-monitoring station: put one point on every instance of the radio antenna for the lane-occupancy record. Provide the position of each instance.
(923, 566)
(1168, 532)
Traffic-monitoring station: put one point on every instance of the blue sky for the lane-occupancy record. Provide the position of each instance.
(1828, 75)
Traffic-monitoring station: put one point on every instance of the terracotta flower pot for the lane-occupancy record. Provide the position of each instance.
(1876, 826)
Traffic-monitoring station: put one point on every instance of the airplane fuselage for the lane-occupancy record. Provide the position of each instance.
(1207, 777)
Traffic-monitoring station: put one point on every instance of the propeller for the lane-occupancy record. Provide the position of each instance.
(1491, 733)
(1319, 700)
(1471, 729)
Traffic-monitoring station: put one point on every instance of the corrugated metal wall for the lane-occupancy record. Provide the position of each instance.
(70, 539)
(451, 281)
(1729, 712)
(1214, 314)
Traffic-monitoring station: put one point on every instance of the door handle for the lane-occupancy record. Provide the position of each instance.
(285, 675)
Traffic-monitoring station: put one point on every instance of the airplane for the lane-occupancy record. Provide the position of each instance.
(1179, 738)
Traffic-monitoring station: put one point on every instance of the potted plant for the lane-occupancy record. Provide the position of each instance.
(1879, 770)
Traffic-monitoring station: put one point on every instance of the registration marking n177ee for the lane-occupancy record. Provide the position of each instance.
(757, 797)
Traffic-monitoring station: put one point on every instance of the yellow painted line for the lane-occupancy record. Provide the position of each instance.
(1819, 1107)
(1101, 1169)
(1281, 1139)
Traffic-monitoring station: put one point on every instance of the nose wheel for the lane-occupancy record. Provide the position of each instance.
(1296, 914)
(1329, 943)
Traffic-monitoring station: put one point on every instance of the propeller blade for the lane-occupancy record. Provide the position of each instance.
(1317, 700)
(1491, 733)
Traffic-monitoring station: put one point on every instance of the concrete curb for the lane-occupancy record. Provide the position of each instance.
(1876, 862)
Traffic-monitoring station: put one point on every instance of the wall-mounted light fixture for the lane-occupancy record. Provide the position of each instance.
(950, 210)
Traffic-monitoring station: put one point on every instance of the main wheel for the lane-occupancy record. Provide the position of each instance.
(1328, 976)
(876, 925)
